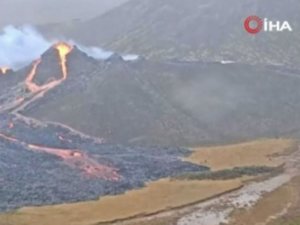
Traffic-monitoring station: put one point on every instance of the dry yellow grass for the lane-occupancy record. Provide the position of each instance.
(157, 196)
(271, 206)
(255, 153)
(292, 217)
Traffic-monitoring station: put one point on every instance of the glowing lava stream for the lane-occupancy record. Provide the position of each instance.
(29, 79)
(4, 69)
(8, 138)
(73, 158)
(77, 159)
(63, 50)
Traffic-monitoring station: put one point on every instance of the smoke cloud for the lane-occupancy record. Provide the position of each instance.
(20, 46)
(94, 52)
(101, 54)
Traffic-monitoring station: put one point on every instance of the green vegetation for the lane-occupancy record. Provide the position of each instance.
(230, 173)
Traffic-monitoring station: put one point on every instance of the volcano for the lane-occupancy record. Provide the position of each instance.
(103, 96)
(54, 162)
(75, 128)
(168, 103)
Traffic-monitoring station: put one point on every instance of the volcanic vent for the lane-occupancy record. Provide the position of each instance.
(43, 80)
(4, 70)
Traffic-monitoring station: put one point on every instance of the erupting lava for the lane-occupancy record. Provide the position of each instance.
(29, 80)
(63, 50)
(77, 159)
(8, 138)
(73, 158)
(4, 69)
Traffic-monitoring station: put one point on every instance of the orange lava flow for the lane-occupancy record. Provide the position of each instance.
(29, 80)
(77, 159)
(4, 69)
(11, 125)
(33, 87)
(8, 138)
(73, 158)
(63, 51)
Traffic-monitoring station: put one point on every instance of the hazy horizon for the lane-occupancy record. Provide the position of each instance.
(35, 12)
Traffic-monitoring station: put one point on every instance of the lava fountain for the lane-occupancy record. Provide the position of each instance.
(64, 50)
(4, 69)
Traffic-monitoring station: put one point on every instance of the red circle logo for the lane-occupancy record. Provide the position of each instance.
(248, 24)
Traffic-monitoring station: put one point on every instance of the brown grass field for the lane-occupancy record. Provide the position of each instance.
(255, 153)
(157, 196)
(283, 203)
(292, 217)
(285, 200)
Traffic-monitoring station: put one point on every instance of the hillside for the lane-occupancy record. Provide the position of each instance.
(171, 102)
(205, 30)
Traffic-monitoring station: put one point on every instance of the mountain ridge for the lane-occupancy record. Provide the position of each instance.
(174, 29)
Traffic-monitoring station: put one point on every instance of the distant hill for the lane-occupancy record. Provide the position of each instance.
(208, 30)
(170, 103)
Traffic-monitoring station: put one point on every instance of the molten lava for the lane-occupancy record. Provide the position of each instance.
(11, 125)
(8, 138)
(73, 158)
(29, 80)
(63, 51)
(4, 69)
(77, 159)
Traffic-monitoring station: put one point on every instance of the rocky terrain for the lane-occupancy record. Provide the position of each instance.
(50, 164)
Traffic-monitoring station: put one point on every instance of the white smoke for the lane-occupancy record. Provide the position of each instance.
(20, 46)
(130, 57)
(95, 52)
(101, 54)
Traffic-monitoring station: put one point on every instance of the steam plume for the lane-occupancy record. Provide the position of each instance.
(94, 52)
(20, 46)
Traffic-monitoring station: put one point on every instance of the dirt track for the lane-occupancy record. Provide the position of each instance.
(217, 211)
(220, 209)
